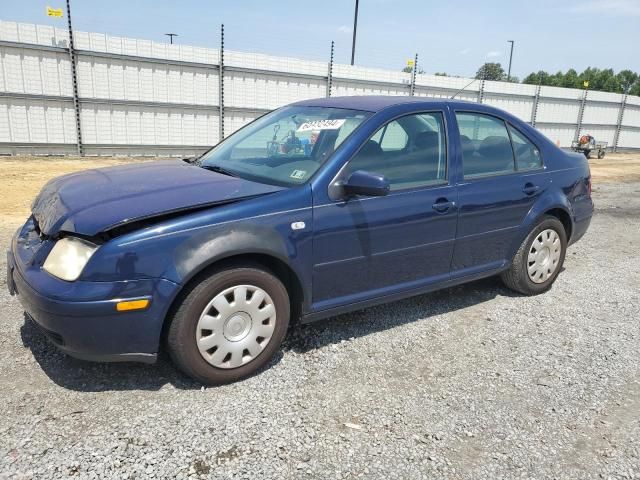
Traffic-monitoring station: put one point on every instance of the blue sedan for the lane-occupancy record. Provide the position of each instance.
(315, 209)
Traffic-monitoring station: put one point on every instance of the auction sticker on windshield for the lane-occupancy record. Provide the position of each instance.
(321, 125)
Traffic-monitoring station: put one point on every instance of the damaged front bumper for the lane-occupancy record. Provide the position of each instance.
(81, 318)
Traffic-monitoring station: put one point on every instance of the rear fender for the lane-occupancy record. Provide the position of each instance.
(543, 205)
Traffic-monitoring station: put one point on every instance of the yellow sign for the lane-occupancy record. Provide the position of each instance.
(54, 12)
(410, 63)
(586, 84)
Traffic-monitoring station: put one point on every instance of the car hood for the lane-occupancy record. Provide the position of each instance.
(95, 201)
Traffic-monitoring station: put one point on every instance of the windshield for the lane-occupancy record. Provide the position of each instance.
(285, 147)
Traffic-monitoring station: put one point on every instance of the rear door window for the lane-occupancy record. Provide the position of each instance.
(486, 145)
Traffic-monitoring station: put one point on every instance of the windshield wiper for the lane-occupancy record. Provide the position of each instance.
(219, 169)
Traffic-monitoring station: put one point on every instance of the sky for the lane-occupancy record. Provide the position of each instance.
(455, 37)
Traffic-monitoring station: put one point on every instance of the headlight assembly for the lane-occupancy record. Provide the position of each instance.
(68, 257)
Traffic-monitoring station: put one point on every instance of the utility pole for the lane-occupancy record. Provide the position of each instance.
(355, 26)
(510, 58)
(171, 35)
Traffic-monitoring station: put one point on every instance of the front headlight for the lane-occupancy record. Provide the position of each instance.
(68, 257)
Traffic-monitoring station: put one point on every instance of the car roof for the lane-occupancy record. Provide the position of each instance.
(375, 103)
(378, 103)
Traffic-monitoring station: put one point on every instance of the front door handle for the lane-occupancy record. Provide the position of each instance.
(530, 188)
(443, 205)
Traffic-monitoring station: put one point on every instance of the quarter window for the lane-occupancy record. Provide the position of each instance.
(486, 146)
(394, 138)
(410, 152)
(527, 154)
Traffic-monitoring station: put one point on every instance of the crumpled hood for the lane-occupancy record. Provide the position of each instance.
(94, 201)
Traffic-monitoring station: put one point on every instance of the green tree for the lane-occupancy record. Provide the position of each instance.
(409, 69)
(557, 79)
(570, 79)
(538, 78)
(491, 71)
(627, 79)
(599, 79)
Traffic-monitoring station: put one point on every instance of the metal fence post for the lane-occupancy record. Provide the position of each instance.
(74, 81)
(616, 137)
(534, 110)
(221, 87)
(412, 90)
(330, 71)
(481, 91)
(580, 115)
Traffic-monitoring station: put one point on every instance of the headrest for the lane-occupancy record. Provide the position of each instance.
(370, 148)
(495, 145)
(426, 140)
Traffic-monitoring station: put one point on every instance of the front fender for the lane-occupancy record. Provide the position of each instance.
(206, 248)
(274, 240)
(180, 248)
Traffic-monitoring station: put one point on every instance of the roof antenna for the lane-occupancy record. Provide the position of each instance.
(455, 94)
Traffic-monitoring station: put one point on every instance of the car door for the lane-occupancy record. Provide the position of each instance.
(366, 247)
(495, 192)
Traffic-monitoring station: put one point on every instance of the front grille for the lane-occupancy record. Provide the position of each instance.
(36, 226)
(28, 243)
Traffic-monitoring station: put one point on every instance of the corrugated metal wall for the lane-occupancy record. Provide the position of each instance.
(143, 97)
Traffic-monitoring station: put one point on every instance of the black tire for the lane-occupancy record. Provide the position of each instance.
(601, 154)
(181, 334)
(587, 153)
(517, 277)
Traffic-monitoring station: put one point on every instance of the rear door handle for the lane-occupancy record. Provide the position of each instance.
(530, 188)
(443, 205)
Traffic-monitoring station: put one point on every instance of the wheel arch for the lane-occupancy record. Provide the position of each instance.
(564, 217)
(264, 260)
(557, 207)
(258, 245)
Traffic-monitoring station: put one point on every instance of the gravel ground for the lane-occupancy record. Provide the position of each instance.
(469, 382)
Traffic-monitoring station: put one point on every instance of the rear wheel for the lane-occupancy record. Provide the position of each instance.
(601, 154)
(539, 259)
(229, 325)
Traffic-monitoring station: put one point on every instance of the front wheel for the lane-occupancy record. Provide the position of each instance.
(229, 325)
(539, 259)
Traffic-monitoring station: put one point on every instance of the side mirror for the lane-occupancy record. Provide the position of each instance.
(369, 184)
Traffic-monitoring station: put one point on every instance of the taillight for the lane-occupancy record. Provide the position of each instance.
(589, 186)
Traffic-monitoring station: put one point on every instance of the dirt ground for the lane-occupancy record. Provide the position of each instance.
(616, 168)
(21, 178)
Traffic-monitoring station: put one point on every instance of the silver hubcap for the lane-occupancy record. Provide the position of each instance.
(544, 256)
(236, 326)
